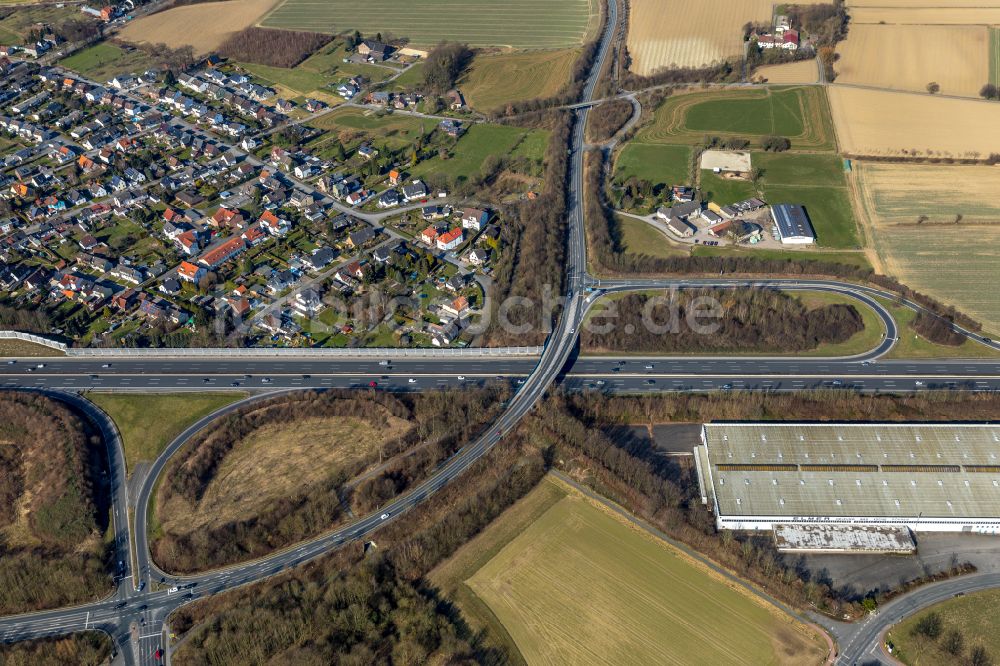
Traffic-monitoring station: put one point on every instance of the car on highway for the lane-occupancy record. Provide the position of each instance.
(411, 380)
(649, 366)
(265, 380)
(461, 378)
(384, 364)
(866, 363)
(727, 387)
(649, 382)
(600, 382)
(235, 384)
(40, 366)
(384, 516)
(837, 382)
(372, 384)
(918, 383)
(11, 362)
(142, 584)
(106, 365)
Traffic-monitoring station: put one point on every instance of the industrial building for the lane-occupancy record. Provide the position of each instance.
(793, 225)
(924, 477)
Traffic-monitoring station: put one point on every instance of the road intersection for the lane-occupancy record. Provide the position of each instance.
(135, 614)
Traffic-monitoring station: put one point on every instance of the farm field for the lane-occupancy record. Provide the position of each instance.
(518, 24)
(802, 71)
(936, 15)
(869, 122)
(572, 583)
(901, 193)
(104, 61)
(797, 112)
(656, 163)
(950, 263)
(800, 169)
(480, 142)
(972, 614)
(202, 26)
(724, 191)
(494, 80)
(680, 33)
(908, 57)
(148, 422)
(995, 55)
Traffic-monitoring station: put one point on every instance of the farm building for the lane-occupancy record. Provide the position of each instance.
(794, 227)
(923, 477)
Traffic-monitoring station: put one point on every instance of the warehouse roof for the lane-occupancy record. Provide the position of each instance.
(792, 221)
(892, 470)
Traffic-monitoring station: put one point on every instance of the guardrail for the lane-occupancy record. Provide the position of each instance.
(244, 352)
(31, 337)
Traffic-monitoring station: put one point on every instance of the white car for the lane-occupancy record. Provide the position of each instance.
(106, 365)
(918, 383)
(411, 380)
(461, 378)
(383, 516)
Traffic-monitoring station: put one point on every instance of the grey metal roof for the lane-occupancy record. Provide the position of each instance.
(792, 221)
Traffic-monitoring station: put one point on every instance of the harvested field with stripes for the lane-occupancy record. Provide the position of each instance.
(802, 71)
(926, 15)
(944, 246)
(908, 57)
(203, 26)
(799, 113)
(518, 24)
(494, 80)
(884, 122)
(566, 581)
(682, 33)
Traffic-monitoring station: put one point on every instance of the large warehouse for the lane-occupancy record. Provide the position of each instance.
(934, 478)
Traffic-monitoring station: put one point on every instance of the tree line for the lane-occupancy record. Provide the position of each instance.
(52, 466)
(365, 604)
(274, 48)
(749, 320)
(442, 421)
(604, 121)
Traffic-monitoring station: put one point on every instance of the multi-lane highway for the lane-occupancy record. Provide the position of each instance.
(135, 614)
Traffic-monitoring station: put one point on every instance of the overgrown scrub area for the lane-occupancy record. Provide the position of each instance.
(444, 65)
(958, 631)
(275, 48)
(665, 493)
(53, 506)
(608, 256)
(604, 121)
(534, 241)
(280, 471)
(740, 320)
(90, 648)
(365, 606)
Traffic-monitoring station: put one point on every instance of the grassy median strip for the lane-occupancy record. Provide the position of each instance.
(148, 422)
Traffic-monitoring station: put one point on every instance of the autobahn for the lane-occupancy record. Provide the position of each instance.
(135, 617)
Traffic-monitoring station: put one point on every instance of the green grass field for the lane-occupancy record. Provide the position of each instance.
(396, 131)
(911, 345)
(829, 210)
(850, 258)
(494, 80)
(656, 163)
(520, 24)
(866, 340)
(812, 169)
(639, 237)
(480, 142)
(105, 61)
(995, 56)
(800, 113)
(725, 191)
(148, 422)
(973, 614)
(570, 583)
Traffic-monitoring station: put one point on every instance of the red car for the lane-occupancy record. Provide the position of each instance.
(373, 384)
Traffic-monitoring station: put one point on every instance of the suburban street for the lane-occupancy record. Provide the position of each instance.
(135, 614)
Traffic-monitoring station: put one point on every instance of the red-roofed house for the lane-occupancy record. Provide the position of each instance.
(190, 272)
(449, 240)
(429, 235)
(223, 253)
